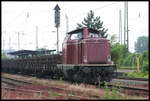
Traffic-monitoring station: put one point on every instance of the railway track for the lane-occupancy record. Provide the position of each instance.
(23, 87)
(69, 96)
(132, 78)
(138, 86)
(125, 85)
(14, 82)
(130, 88)
(131, 82)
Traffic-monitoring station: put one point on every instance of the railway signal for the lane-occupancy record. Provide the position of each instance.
(57, 23)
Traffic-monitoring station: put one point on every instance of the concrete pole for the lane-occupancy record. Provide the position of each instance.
(127, 29)
(18, 41)
(9, 42)
(67, 24)
(3, 40)
(36, 37)
(120, 27)
(125, 22)
(57, 41)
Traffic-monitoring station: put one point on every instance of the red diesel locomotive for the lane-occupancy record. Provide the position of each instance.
(85, 58)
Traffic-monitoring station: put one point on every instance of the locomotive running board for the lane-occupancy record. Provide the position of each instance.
(86, 65)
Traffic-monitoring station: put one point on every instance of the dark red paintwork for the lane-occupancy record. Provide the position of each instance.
(87, 49)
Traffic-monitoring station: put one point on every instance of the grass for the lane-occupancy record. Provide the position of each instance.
(8, 94)
(53, 94)
(38, 82)
(114, 94)
(37, 95)
(71, 91)
(5, 75)
(126, 67)
(87, 91)
(41, 83)
(137, 74)
(34, 82)
(99, 83)
(60, 79)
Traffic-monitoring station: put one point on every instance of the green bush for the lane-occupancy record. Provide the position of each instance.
(128, 60)
(137, 74)
(118, 52)
(145, 61)
(145, 66)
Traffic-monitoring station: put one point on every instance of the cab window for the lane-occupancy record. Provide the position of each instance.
(91, 34)
(76, 36)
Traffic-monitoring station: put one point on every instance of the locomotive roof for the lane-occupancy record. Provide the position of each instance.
(78, 30)
(27, 52)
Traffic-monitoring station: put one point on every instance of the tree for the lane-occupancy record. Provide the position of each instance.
(113, 39)
(141, 44)
(145, 61)
(93, 22)
(119, 52)
(41, 49)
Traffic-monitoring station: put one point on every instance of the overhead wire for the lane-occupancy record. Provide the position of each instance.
(79, 15)
(46, 25)
(13, 20)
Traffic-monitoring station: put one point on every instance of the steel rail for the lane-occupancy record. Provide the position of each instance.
(132, 78)
(128, 87)
(14, 82)
(134, 90)
(42, 91)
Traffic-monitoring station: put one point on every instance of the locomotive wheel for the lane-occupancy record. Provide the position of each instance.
(77, 78)
(80, 76)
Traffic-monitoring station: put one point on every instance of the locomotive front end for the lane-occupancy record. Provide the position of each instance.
(96, 50)
(86, 56)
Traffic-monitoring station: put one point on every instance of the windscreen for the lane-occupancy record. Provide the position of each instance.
(76, 36)
(92, 34)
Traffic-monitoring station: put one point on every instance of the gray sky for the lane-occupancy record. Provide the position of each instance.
(41, 14)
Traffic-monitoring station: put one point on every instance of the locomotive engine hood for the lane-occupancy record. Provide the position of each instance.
(85, 46)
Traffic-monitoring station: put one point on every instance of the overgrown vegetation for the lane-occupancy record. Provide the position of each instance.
(53, 94)
(118, 53)
(5, 75)
(136, 74)
(4, 56)
(114, 94)
(122, 57)
(87, 91)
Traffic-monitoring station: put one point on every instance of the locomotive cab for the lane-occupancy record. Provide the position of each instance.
(85, 46)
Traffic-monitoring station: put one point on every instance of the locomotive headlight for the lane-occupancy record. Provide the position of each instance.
(84, 58)
(109, 58)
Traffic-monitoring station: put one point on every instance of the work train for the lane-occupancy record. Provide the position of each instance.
(85, 58)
